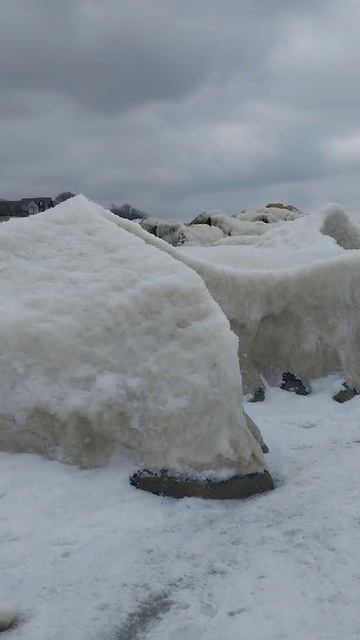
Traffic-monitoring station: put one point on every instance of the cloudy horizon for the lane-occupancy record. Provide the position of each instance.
(179, 106)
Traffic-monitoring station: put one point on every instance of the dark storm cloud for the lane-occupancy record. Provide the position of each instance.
(179, 106)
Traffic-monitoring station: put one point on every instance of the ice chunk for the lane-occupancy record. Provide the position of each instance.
(292, 296)
(107, 341)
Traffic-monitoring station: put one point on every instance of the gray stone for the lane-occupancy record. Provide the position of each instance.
(258, 395)
(346, 394)
(163, 483)
(8, 620)
(291, 383)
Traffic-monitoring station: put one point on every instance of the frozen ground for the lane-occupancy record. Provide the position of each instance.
(85, 556)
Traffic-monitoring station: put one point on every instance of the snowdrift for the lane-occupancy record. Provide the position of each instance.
(292, 295)
(171, 232)
(107, 342)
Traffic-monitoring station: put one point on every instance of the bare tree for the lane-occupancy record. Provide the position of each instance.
(65, 195)
(127, 211)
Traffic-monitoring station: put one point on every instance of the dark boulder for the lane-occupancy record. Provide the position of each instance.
(347, 393)
(291, 383)
(164, 483)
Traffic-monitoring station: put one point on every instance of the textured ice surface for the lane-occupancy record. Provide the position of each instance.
(292, 295)
(107, 341)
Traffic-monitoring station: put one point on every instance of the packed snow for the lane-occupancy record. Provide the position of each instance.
(291, 294)
(107, 341)
(213, 226)
(85, 556)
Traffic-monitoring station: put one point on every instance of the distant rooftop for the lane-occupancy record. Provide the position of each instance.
(25, 206)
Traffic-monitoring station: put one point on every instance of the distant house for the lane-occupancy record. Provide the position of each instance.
(24, 207)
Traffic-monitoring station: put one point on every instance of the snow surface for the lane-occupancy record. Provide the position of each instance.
(292, 295)
(84, 556)
(171, 232)
(107, 341)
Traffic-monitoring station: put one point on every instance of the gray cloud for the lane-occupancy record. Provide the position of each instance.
(180, 106)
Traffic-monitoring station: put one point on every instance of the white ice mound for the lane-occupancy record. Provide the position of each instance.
(292, 295)
(107, 341)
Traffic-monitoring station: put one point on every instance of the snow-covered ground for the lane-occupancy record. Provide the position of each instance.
(84, 556)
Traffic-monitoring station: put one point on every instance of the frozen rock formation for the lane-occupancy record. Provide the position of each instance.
(108, 342)
(271, 214)
(292, 296)
(178, 234)
(171, 232)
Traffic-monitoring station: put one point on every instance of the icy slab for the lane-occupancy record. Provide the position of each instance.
(171, 232)
(292, 296)
(107, 341)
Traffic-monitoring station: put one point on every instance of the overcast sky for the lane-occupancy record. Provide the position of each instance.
(178, 106)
